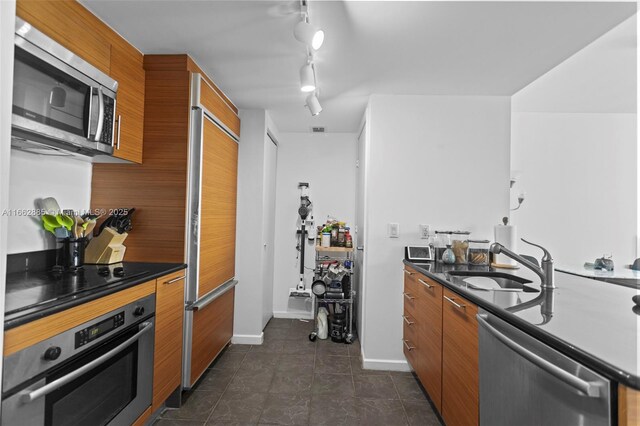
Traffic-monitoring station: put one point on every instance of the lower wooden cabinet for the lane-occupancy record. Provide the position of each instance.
(628, 406)
(440, 337)
(167, 358)
(460, 380)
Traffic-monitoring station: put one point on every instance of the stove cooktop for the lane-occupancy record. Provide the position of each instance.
(31, 290)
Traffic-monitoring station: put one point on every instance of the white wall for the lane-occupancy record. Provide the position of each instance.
(574, 154)
(438, 160)
(327, 162)
(253, 306)
(37, 176)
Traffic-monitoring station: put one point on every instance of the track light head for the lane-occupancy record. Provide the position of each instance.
(314, 104)
(308, 34)
(307, 78)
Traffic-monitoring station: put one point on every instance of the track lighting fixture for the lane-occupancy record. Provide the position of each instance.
(308, 34)
(307, 78)
(314, 104)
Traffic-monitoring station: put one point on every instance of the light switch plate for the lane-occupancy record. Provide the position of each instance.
(394, 230)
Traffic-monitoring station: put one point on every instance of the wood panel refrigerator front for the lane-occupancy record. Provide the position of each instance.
(158, 187)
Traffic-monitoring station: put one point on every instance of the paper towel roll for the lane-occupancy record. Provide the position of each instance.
(507, 235)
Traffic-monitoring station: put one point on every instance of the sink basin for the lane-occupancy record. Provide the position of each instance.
(491, 281)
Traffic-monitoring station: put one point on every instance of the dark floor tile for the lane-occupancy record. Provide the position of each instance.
(356, 368)
(402, 373)
(375, 387)
(301, 363)
(286, 409)
(176, 422)
(303, 325)
(333, 384)
(332, 410)
(198, 406)
(279, 323)
(383, 412)
(409, 388)
(215, 380)
(228, 360)
(298, 333)
(295, 382)
(238, 348)
(299, 347)
(331, 348)
(355, 349)
(268, 346)
(276, 333)
(238, 408)
(256, 361)
(253, 381)
(333, 365)
(420, 413)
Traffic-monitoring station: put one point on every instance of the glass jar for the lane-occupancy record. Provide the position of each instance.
(460, 246)
(479, 252)
(442, 240)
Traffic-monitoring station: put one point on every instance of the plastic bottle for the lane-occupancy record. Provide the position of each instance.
(323, 324)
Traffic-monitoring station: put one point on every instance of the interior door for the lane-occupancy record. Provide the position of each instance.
(217, 208)
(268, 224)
(359, 242)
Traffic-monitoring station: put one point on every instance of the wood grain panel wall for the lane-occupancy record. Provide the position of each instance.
(212, 101)
(157, 187)
(628, 406)
(218, 208)
(36, 331)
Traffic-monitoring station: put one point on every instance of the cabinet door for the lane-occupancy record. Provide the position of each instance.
(212, 330)
(127, 69)
(217, 208)
(167, 359)
(430, 338)
(459, 361)
(410, 340)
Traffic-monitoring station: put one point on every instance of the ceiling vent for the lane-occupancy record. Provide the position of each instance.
(317, 129)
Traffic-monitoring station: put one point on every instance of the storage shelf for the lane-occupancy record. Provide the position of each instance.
(335, 249)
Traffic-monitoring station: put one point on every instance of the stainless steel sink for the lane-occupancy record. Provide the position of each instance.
(503, 281)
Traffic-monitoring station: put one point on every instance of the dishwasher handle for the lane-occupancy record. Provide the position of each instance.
(591, 389)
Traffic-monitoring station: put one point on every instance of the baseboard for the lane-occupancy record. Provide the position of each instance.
(385, 364)
(293, 315)
(247, 339)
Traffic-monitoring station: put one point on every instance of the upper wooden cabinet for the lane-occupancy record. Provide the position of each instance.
(73, 26)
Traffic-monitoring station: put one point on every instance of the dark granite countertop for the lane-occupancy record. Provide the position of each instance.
(594, 322)
(31, 295)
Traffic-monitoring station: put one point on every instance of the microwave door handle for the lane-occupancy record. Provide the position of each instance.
(89, 110)
(29, 396)
(100, 115)
(591, 389)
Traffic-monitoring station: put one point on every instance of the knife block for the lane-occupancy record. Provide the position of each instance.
(106, 248)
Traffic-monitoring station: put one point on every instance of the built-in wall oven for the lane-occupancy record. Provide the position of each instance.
(98, 373)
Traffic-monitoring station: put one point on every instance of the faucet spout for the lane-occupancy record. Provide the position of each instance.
(545, 272)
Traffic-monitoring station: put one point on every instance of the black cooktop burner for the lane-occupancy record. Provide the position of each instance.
(36, 289)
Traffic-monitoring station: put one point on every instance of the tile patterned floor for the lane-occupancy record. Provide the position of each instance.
(291, 381)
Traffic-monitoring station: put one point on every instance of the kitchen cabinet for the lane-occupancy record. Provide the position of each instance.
(628, 406)
(167, 356)
(76, 28)
(459, 361)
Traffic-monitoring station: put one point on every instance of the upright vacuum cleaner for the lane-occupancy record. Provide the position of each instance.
(301, 290)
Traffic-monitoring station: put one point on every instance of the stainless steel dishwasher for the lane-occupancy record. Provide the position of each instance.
(525, 382)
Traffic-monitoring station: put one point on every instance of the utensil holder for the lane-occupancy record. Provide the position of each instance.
(72, 252)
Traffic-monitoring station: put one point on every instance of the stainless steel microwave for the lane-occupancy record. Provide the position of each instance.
(62, 105)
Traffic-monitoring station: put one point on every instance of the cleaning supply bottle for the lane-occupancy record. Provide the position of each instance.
(323, 324)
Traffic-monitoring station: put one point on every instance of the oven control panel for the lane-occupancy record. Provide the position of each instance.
(99, 329)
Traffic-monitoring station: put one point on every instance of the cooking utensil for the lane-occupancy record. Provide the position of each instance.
(123, 223)
(62, 232)
(65, 221)
(50, 205)
(88, 229)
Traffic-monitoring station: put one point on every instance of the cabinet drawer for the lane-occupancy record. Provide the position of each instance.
(410, 293)
(430, 297)
(410, 347)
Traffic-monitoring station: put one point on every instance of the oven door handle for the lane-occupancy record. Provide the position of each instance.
(30, 396)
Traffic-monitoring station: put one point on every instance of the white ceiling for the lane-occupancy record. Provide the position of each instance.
(386, 47)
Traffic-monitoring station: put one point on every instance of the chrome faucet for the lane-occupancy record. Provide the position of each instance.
(545, 272)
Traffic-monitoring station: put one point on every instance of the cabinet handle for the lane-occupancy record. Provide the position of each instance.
(408, 296)
(407, 345)
(407, 272)
(119, 121)
(407, 320)
(425, 283)
(174, 280)
(457, 305)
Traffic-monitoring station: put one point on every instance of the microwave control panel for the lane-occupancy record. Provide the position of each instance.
(89, 334)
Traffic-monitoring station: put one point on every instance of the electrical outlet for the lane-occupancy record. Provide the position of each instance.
(425, 231)
(394, 230)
